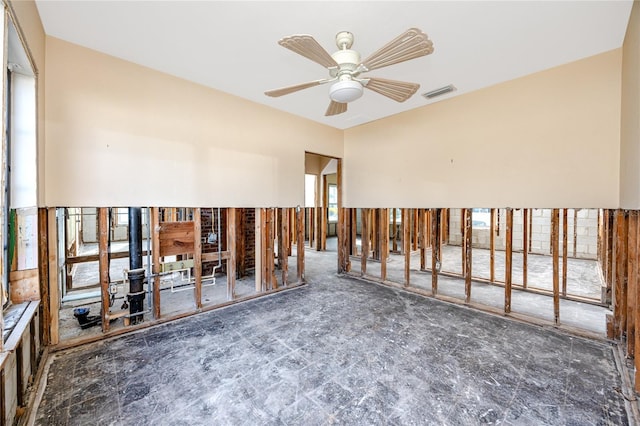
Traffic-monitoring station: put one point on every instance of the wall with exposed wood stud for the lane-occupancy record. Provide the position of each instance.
(121, 134)
(630, 120)
(550, 139)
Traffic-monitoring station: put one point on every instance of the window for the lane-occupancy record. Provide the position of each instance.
(121, 216)
(333, 202)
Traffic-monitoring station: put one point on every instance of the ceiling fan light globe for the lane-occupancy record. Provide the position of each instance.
(345, 91)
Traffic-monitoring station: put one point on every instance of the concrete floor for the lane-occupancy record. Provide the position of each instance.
(337, 351)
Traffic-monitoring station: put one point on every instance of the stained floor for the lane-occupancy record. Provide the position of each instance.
(338, 351)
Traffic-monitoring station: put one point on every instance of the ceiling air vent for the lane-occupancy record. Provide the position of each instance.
(439, 92)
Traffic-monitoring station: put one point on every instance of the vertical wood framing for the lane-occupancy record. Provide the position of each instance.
(395, 231)
(375, 233)
(555, 253)
(384, 243)
(435, 249)
(54, 291)
(43, 270)
(103, 261)
(354, 232)
(406, 244)
(364, 241)
(300, 247)
(197, 256)
(492, 246)
(632, 281)
(575, 231)
(564, 252)
(463, 246)
(530, 228)
(508, 262)
(416, 227)
(284, 231)
(619, 267)
(525, 245)
(422, 238)
(636, 295)
(155, 253)
(466, 259)
(232, 228)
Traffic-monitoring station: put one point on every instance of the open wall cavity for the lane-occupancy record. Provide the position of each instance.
(114, 269)
(539, 264)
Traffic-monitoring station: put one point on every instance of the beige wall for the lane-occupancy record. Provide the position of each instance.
(30, 28)
(550, 139)
(630, 120)
(120, 134)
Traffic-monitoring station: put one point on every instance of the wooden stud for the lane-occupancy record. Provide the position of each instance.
(435, 249)
(300, 247)
(354, 232)
(575, 231)
(43, 266)
(466, 259)
(54, 292)
(197, 256)
(232, 248)
(284, 231)
(530, 228)
(240, 242)
(564, 252)
(620, 273)
(555, 253)
(375, 234)
(508, 262)
(525, 245)
(364, 242)
(636, 294)
(416, 227)
(155, 254)
(406, 244)
(103, 251)
(632, 281)
(609, 253)
(395, 231)
(384, 243)
(492, 246)
(463, 245)
(422, 238)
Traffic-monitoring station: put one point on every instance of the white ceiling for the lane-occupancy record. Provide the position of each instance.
(232, 46)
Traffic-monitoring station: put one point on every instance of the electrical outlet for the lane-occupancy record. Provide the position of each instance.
(113, 289)
(212, 238)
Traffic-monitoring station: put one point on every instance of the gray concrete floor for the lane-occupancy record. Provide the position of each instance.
(338, 351)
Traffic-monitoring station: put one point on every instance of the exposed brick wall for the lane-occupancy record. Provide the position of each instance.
(249, 231)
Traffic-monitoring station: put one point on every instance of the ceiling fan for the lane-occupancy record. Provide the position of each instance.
(345, 67)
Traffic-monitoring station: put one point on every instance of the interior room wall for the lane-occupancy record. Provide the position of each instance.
(630, 120)
(122, 134)
(551, 139)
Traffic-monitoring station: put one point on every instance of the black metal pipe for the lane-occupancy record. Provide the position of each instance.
(136, 273)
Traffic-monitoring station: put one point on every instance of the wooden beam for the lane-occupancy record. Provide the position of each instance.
(43, 265)
(463, 245)
(466, 259)
(354, 232)
(415, 229)
(232, 229)
(384, 243)
(492, 246)
(395, 231)
(197, 256)
(240, 243)
(575, 231)
(508, 262)
(564, 252)
(620, 273)
(555, 253)
(284, 234)
(435, 249)
(525, 245)
(364, 241)
(632, 281)
(300, 247)
(265, 278)
(636, 295)
(73, 260)
(271, 236)
(54, 289)
(103, 252)
(422, 238)
(155, 262)
(406, 244)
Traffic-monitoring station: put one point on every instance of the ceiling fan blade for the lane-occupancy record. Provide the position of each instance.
(399, 91)
(335, 108)
(411, 44)
(290, 89)
(308, 47)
